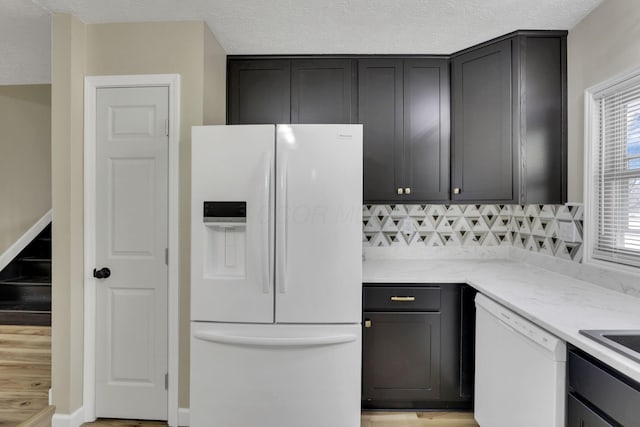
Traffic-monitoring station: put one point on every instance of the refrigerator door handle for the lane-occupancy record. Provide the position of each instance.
(266, 258)
(282, 279)
(275, 341)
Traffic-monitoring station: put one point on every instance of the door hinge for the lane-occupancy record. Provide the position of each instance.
(166, 256)
(166, 127)
(166, 381)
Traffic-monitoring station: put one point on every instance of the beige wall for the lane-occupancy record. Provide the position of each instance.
(25, 159)
(606, 43)
(185, 48)
(67, 74)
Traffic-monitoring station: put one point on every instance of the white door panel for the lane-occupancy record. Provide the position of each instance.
(131, 236)
(319, 224)
(231, 264)
(275, 375)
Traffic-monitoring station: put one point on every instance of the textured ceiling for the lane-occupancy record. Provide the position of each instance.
(25, 43)
(297, 26)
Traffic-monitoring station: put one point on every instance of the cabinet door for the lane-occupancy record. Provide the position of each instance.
(401, 356)
(380, 112)
(580, 415)
(322, 91)
(259, 92)
(426, 130)
(483, 157)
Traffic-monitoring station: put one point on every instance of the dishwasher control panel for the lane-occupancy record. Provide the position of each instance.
(521, 325)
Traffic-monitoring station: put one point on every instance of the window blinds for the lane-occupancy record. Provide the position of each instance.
(617, 175)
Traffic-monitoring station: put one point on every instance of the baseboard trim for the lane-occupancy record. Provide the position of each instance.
(184, 417)
(24, 240)
(68, 420)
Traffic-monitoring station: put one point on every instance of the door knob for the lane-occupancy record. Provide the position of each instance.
(103, 273)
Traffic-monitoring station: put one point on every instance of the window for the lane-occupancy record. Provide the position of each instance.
(613, 171)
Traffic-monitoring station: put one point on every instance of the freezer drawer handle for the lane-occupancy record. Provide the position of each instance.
(403, 299)
(275, 342)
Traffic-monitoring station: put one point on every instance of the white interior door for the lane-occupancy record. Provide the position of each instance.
(319, 224)
(231, 263)
(131, 241)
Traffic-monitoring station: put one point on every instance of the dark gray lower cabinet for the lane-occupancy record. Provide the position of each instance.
(580, 415)
(402, 356)
(416, 346)
(600, 396)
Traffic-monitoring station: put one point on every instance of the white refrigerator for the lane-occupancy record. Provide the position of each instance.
(276, 277)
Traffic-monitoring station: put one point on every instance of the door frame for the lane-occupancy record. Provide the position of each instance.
(91, 85)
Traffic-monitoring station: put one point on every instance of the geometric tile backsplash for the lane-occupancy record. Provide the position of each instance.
(531, 227)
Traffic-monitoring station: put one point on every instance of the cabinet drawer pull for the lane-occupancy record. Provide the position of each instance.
(403, 299)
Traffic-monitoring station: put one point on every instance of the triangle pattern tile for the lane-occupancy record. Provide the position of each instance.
(417, 210)
(398, 211)
(532, 227)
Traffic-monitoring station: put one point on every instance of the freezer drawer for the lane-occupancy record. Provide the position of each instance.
(275, 375)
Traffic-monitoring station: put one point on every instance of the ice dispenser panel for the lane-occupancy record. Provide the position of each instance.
(225, 239)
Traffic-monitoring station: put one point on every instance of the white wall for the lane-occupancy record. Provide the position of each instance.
(604, 44)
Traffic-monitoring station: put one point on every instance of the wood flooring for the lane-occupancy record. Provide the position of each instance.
(25, 379)
(368, 419)
(25, 372)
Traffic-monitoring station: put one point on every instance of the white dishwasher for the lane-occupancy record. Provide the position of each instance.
(519, 372)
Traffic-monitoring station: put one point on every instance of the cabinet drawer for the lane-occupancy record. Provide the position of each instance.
(401, 298)
(611, 394)
(580, 415)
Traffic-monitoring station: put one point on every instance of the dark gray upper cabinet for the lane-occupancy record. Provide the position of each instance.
(380, 93)
(482, 143)
(486, 124)
(258, 91)
(404, 108)
(426, 130)
(322, 91)
(509, 120)
(266, 91)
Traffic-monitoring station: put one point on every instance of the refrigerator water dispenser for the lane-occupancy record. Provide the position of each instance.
(225, 226)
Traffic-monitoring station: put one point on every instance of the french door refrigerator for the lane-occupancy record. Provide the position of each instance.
(276, 276)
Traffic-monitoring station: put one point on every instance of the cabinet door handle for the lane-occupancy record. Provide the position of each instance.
(367, 323)
(403, 299)
(456, 190)
(400, 191)
(407, 190)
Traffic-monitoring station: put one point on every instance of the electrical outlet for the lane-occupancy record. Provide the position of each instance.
(567, 231)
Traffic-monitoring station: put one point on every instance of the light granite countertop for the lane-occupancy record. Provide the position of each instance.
(556, 302)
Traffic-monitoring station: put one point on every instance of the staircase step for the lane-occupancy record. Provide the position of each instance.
(34, 266)
(31, 318)
(35, 259)
(27, 281)
(20, 291)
